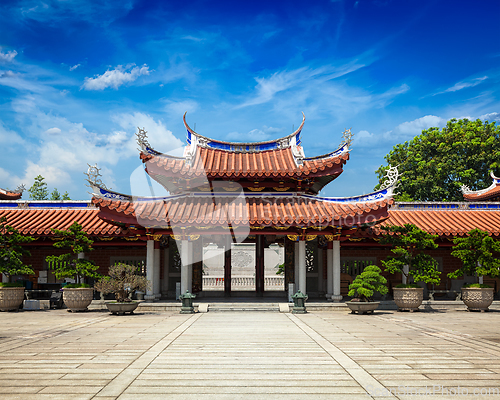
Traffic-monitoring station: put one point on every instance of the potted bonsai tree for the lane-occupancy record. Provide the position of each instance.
(123, 280)
(410, 260)
(79, 295)
(363, 288)
(476, 251)
(11, 263)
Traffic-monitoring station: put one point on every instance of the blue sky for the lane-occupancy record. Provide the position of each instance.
(77, 77)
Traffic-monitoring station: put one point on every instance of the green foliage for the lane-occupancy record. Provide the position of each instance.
(281, 269)
(12, 251)
(409, 243)
(39, 189)
(65, 196)
(434, 165)
(476, 251)
(123, 280)
(55, 195)
(76, 285)
(368, 282)
(477, 285)
(68, 265)
(11, 284)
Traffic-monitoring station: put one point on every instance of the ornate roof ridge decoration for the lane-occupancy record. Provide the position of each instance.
(99, 189)
(467, 192)
(142, 140)
(7, 194)
(444, 206)
(242, 147)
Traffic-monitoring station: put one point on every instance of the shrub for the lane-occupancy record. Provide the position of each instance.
(368, 282)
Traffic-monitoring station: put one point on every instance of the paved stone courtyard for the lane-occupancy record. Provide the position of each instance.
(249, 355)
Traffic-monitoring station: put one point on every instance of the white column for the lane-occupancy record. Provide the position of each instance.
(190, 267)
(166, 268)
(156, 274)
(336, 271)
(329, 273)
(150, 265)
(302, 266)
(296, 265)
(184, 266)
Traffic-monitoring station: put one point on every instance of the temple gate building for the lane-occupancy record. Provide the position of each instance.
(224, 197)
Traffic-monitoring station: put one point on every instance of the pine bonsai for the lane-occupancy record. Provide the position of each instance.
(68, 265)
(12, 251)
(367, 283)
(476, 251)
(123, 280)
(409, 243)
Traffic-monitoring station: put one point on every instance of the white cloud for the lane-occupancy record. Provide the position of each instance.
(53, 131)
(160, 138)
(463, 85)
(115, 78)
(410, 129)
(364, 139)
(267, 88)
(176, 109)
(494, 116)
(74, 67)
(7, 57)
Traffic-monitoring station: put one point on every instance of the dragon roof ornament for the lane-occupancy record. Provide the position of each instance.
(467, 190)
(99, 189)
(391, 178)
(347, 137)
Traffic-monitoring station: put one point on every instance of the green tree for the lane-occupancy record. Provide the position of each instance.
(65, 196)
(123, 280)
(68, 265)
(477, 252)
(367, 283)
(409, 244)
(55, 195)
(434, 165)
(12, 250)
(39, 191)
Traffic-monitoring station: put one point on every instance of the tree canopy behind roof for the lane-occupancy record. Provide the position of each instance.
(434, 165)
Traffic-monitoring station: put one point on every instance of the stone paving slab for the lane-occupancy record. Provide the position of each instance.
(249, 355)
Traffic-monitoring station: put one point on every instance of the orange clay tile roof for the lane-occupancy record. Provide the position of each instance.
(241, 211)
(9, 195)
(447, 222)
(215, 163)
(39, 221)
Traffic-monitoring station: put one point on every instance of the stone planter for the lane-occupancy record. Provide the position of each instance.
(408, 299)
(362, 307)
(11, 298)
(78, 299)
(477, 299)
(122, 308)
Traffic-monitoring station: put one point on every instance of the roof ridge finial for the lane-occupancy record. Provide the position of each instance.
(391, 178)
(20, 188)
(93, 178)
(347, 137)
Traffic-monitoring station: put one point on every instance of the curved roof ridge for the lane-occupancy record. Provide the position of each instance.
(482, 194)
(209, 140)
(342, 149)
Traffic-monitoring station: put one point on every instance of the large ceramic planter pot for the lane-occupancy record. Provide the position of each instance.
(78, 299)
(408, 299)
(477, 299)
(11, 298)
(362, 307)
(122, 308)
